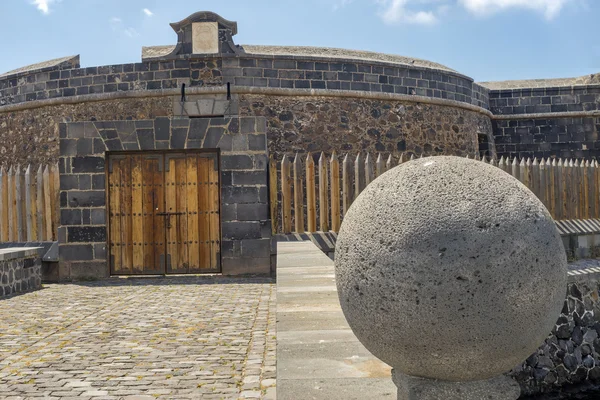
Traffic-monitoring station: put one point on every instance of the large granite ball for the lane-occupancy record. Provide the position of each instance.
(449, 268)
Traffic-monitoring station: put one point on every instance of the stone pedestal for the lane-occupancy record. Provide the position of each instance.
(413, 388)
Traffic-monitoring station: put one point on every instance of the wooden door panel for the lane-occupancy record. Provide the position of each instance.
(214, 196)
(126, 225)
(137, 219)
(114, 216)
(154, 223)
(164, 213)
(203, 215)
(192, 213)
(135, 198)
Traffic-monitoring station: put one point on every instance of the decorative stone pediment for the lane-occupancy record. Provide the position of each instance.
(203, 33)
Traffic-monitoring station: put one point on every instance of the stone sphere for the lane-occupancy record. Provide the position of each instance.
(451, 269)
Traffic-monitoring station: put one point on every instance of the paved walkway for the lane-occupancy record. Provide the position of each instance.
(318, 356)
(167, 338)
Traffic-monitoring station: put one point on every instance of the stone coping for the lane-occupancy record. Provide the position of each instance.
(49, 65)
(313, 53)
(565, 114)
(245, 90)
(541, 83)
(11, 253)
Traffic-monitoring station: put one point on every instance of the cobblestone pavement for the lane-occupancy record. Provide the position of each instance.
(167, 338)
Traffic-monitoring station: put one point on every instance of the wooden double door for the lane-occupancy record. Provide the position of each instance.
(163, 211)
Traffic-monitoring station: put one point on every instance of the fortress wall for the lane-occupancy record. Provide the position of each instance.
(32, 137)
(251, 70)
(367, 105)
(547, 121)
(295, 124)
(349, 125)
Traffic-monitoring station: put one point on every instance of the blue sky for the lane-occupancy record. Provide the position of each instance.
(484, 39)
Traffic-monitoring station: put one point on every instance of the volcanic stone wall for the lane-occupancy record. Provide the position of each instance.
(571, 353)
(300, 124)
(547, 122)
(20, 271)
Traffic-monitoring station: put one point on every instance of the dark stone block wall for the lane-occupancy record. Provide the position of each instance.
(246, 225)
(299, 72)
(548, 137)
(572, 134)
(20, 272)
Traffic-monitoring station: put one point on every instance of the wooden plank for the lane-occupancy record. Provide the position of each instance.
(55, 192)
(204, 235)
(181, 218)
(389, 164)
(3, 205)
(47, 205)
(311, 197)
(551, 179)
(529, 175)
(126, 219)
(359, 175)
(39, 200)
(323, 194)
(171, 221)
(192, 213)
(28, 211)
(379, 166)
(334, 168)
(115, 217)
(346, 184)
(543, 185)
(369, 170)
(19, 204)
(567, 190)
(298, 196)
(574, 191)
(590, 188)
(582, 190)
(137, 218)
(559, 181)
(402, 159)
(514, 170)
(535, 178)
(286, 195)
(11, 206)
(215, 199)
(150, 167)
(274, 206)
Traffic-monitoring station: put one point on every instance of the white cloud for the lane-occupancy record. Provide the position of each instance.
(550, 8)
(428, 12)
(43, 5)
(131, 32)
(399, 11)
(116, 24)
(148, 12)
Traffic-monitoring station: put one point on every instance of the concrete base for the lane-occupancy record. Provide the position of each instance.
(413, 388)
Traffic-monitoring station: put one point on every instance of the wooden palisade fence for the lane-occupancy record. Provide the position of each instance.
(322, 192)
(29, 204)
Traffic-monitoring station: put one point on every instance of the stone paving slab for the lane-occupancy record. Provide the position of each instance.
(318, 356)
(161, 338)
